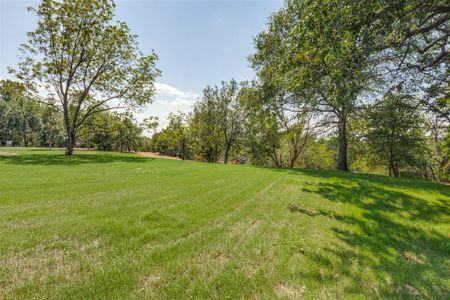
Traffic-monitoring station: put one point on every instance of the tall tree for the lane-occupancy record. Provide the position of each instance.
(89, 63)
(262, 136)
(318, 52)
(230, 115)
(204, 127)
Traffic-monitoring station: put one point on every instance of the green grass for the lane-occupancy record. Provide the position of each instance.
(116, 226)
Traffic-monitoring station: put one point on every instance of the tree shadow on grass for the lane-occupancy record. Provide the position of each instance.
(412, 184)
(390, 246)
(77, 159)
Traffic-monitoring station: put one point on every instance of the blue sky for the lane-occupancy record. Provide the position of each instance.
(199, 42)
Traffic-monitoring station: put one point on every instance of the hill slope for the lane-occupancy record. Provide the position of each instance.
(114, 226)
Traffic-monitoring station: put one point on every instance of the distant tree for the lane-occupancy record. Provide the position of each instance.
(207, 139)
(151, 123)
(438, 147)
(89, 64)
(174, 140)
(52, 126)
(230, 115)
(20, 118)
(395, 132)
(100, 130)
(127, 133)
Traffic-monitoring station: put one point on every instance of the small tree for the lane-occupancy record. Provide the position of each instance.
(89, 64)
(395, 132)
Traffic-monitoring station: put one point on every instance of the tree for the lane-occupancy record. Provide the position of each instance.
(217, 121)
(395, 132)
(174, 140)
(78, 56)
(127, 133)
(262, 137)
(438, 147)
(279, 122)
(20, 117)
(319, 53)
(204, 128)
(151, 123)
(229, 115)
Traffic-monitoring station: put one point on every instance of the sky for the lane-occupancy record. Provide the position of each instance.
(198, 42)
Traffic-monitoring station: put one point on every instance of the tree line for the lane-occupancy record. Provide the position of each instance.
(360, 85)
(30, 123)
(364, 82)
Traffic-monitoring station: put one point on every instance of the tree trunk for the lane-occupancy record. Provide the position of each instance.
(396, 172)
(342, 143)
(227, 151)
(70, 142)
(293, 154)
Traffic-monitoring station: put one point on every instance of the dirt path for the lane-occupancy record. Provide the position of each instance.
(156, 155)
(7, 153)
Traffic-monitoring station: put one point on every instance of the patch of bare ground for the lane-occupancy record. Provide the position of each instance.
(4, 153)
(210, 263)
(244, 230)
(412, 290)
(287, 291)
(413, 259)
(157, 155)
(150, 283)
(221, 257)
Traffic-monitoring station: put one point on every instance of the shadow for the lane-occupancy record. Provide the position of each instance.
(296, 208)
(76, 159)
(393, 235)
(393, 182)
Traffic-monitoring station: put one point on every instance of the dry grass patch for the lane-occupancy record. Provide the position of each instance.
(47, 266)
(414, 259)
(3, 153)
(150, 283)
(287, 291)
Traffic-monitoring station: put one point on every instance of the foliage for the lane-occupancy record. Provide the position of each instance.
(204, 128)
(318, 52)
(174, 140)
(20, 118)
(395, 132)
(78, 56)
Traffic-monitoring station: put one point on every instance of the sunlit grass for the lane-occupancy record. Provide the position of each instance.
(115, 226)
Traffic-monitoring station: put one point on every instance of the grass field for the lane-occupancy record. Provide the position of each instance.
(120, 226)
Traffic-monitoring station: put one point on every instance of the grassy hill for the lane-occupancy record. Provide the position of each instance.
(115, 226)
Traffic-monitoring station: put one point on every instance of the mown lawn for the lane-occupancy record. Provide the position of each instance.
(120, 226)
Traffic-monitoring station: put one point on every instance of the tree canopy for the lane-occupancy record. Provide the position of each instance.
(88, 63)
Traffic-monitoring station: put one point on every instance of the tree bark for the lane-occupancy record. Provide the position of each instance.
(342, 143)
(294, 153)
(227, 151)
(396, 172)
(70, 144)
(71, 136)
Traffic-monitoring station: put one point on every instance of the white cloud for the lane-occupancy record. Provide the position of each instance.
(163, 89)
(168, 99)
